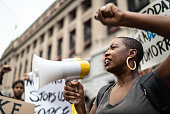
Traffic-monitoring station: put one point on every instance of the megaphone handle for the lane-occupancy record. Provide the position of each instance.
(73, 101)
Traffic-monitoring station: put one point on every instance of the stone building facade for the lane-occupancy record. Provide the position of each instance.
(67, 29)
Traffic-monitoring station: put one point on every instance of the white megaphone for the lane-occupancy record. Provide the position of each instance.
(47, 71)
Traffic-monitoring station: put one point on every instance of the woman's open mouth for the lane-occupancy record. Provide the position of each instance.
(107, 61)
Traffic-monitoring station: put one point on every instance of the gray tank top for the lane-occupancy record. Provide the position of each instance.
(135, 102)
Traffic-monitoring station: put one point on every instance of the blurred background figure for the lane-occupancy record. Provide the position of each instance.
(4, 69)
(18, 89)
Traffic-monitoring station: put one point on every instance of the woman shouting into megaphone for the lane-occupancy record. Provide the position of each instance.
(128, 95)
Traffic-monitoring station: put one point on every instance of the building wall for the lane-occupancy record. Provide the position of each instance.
(19, 56)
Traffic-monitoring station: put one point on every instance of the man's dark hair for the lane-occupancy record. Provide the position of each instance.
(16, 82)
(132, 43)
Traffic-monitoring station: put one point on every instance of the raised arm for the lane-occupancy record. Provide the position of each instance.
(4, 69)
(112, 15)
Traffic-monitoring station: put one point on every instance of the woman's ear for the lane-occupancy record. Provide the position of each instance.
(132, 52)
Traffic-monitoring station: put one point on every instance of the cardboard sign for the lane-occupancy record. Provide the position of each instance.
(13, 106)
(156, 48)
(48, 99)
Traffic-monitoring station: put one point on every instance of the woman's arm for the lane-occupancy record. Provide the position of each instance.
(117, 17)
(112, 15)
(155, 23)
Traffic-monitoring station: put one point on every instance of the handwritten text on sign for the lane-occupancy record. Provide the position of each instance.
(13, 106)
(156, 48)
(49, 99)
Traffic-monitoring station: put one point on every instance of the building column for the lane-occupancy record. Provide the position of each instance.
(79, 41)
(54, 44)
(45, 45)
(13, 65)
(65, 46)
(99, 31)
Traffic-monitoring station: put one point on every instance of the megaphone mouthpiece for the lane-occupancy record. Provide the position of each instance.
(85, 68)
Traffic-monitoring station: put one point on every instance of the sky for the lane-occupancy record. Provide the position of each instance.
(16, 16)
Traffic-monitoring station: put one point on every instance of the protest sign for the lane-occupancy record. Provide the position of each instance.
(13, 106)
(48, 99)
(156, 48)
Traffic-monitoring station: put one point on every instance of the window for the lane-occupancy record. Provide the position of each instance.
(61, 23)
(59, 51)
(42, 38)
(86, 4)
(72, 42)
(50, 31)
(26, 63)
(22, 53)
(49, 52)
(15, 70)
(41, 53)
(72, 39)
(111, 1)
(111, 29)
(17, 57)
(72, 14)
(34, 44)
(87, 34)
(59, 48)
(9, 60)
(28, 48)
(20, 68)
(137, 5)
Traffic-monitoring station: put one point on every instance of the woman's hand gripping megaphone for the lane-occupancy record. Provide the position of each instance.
(73, 90)
(85, 69)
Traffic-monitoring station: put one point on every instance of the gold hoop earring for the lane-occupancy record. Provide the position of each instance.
(127, 62)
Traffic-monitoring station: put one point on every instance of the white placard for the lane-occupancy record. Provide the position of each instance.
(48, 99)
(156, 48)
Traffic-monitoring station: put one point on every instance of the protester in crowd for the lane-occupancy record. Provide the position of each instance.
(4, 69)
(18, 89)
(122, 60)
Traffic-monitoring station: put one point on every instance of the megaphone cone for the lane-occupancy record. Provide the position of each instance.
(48, 71)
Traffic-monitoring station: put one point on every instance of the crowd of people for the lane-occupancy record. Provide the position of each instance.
(122, 59)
